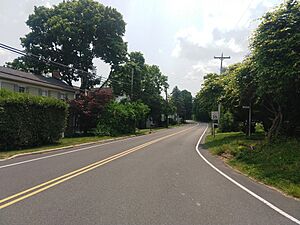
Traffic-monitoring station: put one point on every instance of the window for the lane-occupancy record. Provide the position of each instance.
(62, 96)
(44, 93)
(21, 89)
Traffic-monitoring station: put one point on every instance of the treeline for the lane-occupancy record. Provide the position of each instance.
(268, 80)
(68, 37)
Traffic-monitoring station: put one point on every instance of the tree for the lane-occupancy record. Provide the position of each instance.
(187, 104)
(177, 100)
(148, 83)
(208, 98)
(275, 49)
(73, 33)
(86, 110)
(127, 78)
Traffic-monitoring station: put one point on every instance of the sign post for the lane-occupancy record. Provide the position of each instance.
(214, 117)
(249, 119)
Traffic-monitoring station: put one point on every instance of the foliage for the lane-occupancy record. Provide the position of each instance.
(30, 120)
(275, 164)
(227, 122)
(187, 104)
(183, 102)
(121, 118)
(276, 61)
(86, 110)
(73, 33)
(208, 97)
(268, 80)
(147, 83)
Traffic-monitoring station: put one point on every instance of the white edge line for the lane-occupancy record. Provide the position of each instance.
(283, 213)
(58, 154)
(67, 152)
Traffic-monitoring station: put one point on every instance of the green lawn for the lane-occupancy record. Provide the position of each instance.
(65, 142)
(276, 164)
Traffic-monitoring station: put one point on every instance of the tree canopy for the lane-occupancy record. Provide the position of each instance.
(140, 82)
(73, 33)
(268, 80)
(183, 102)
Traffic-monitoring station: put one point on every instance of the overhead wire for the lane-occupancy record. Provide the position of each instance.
(48, 61)
(243, 14)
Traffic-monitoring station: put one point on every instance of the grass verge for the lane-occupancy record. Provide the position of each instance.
(65, 142)
(276, 164)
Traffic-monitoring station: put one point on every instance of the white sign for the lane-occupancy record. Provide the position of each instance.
(214, 115)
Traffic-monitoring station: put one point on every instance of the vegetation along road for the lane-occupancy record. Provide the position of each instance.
(160, 178)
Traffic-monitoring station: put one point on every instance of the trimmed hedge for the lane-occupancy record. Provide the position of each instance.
(27, 121)
(121, 118)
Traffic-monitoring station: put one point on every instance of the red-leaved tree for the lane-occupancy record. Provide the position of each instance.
(86, 110)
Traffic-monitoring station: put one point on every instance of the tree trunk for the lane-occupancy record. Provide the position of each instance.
(276, 123)
(109, 76)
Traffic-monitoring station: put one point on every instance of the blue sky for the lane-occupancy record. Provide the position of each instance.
(181, 37)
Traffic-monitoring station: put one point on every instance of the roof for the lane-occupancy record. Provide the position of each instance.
(30, 78)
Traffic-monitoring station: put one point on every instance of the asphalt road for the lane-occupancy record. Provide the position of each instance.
(154, 179)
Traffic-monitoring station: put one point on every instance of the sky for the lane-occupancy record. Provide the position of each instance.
(181, 37)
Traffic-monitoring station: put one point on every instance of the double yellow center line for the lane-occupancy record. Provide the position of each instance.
(46, 185)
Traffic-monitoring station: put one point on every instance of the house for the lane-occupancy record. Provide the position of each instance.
(20, 81)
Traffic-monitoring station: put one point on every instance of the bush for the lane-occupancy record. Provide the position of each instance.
(227, 123)
(121, 118)
(27, 121)
(85, 111)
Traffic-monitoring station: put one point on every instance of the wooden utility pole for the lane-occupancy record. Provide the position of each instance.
(221, 58)
(167, 101)
(132, 71)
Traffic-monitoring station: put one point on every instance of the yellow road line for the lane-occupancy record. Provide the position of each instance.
(58, 178)
(46, 185)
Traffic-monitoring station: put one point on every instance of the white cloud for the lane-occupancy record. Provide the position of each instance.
(200, 69)
(2, 52)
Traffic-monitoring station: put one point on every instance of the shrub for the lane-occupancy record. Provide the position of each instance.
(227, 122)
(86, 110)
(27, 121)
(121, 118)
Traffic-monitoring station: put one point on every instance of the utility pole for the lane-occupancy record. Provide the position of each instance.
(222, 57)
(132, 71)
(166, 115)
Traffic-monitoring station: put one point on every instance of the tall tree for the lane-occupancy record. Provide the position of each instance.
(177, 101)
(276, 60)
(73, 33)
(142, 82)
(209, 96)
(187, 104)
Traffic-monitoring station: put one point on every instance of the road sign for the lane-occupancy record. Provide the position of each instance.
(214, 115)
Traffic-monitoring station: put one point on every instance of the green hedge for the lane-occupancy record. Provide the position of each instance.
(27, 120)
(121, 118)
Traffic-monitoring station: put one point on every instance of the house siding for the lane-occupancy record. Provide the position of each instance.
(7, 85)
(36, 90)
(33, 90)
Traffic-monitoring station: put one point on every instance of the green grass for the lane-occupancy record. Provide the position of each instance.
(65, 142)
(276, 164)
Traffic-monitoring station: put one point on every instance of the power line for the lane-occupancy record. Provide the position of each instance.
(241, 17)
(48, 61)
